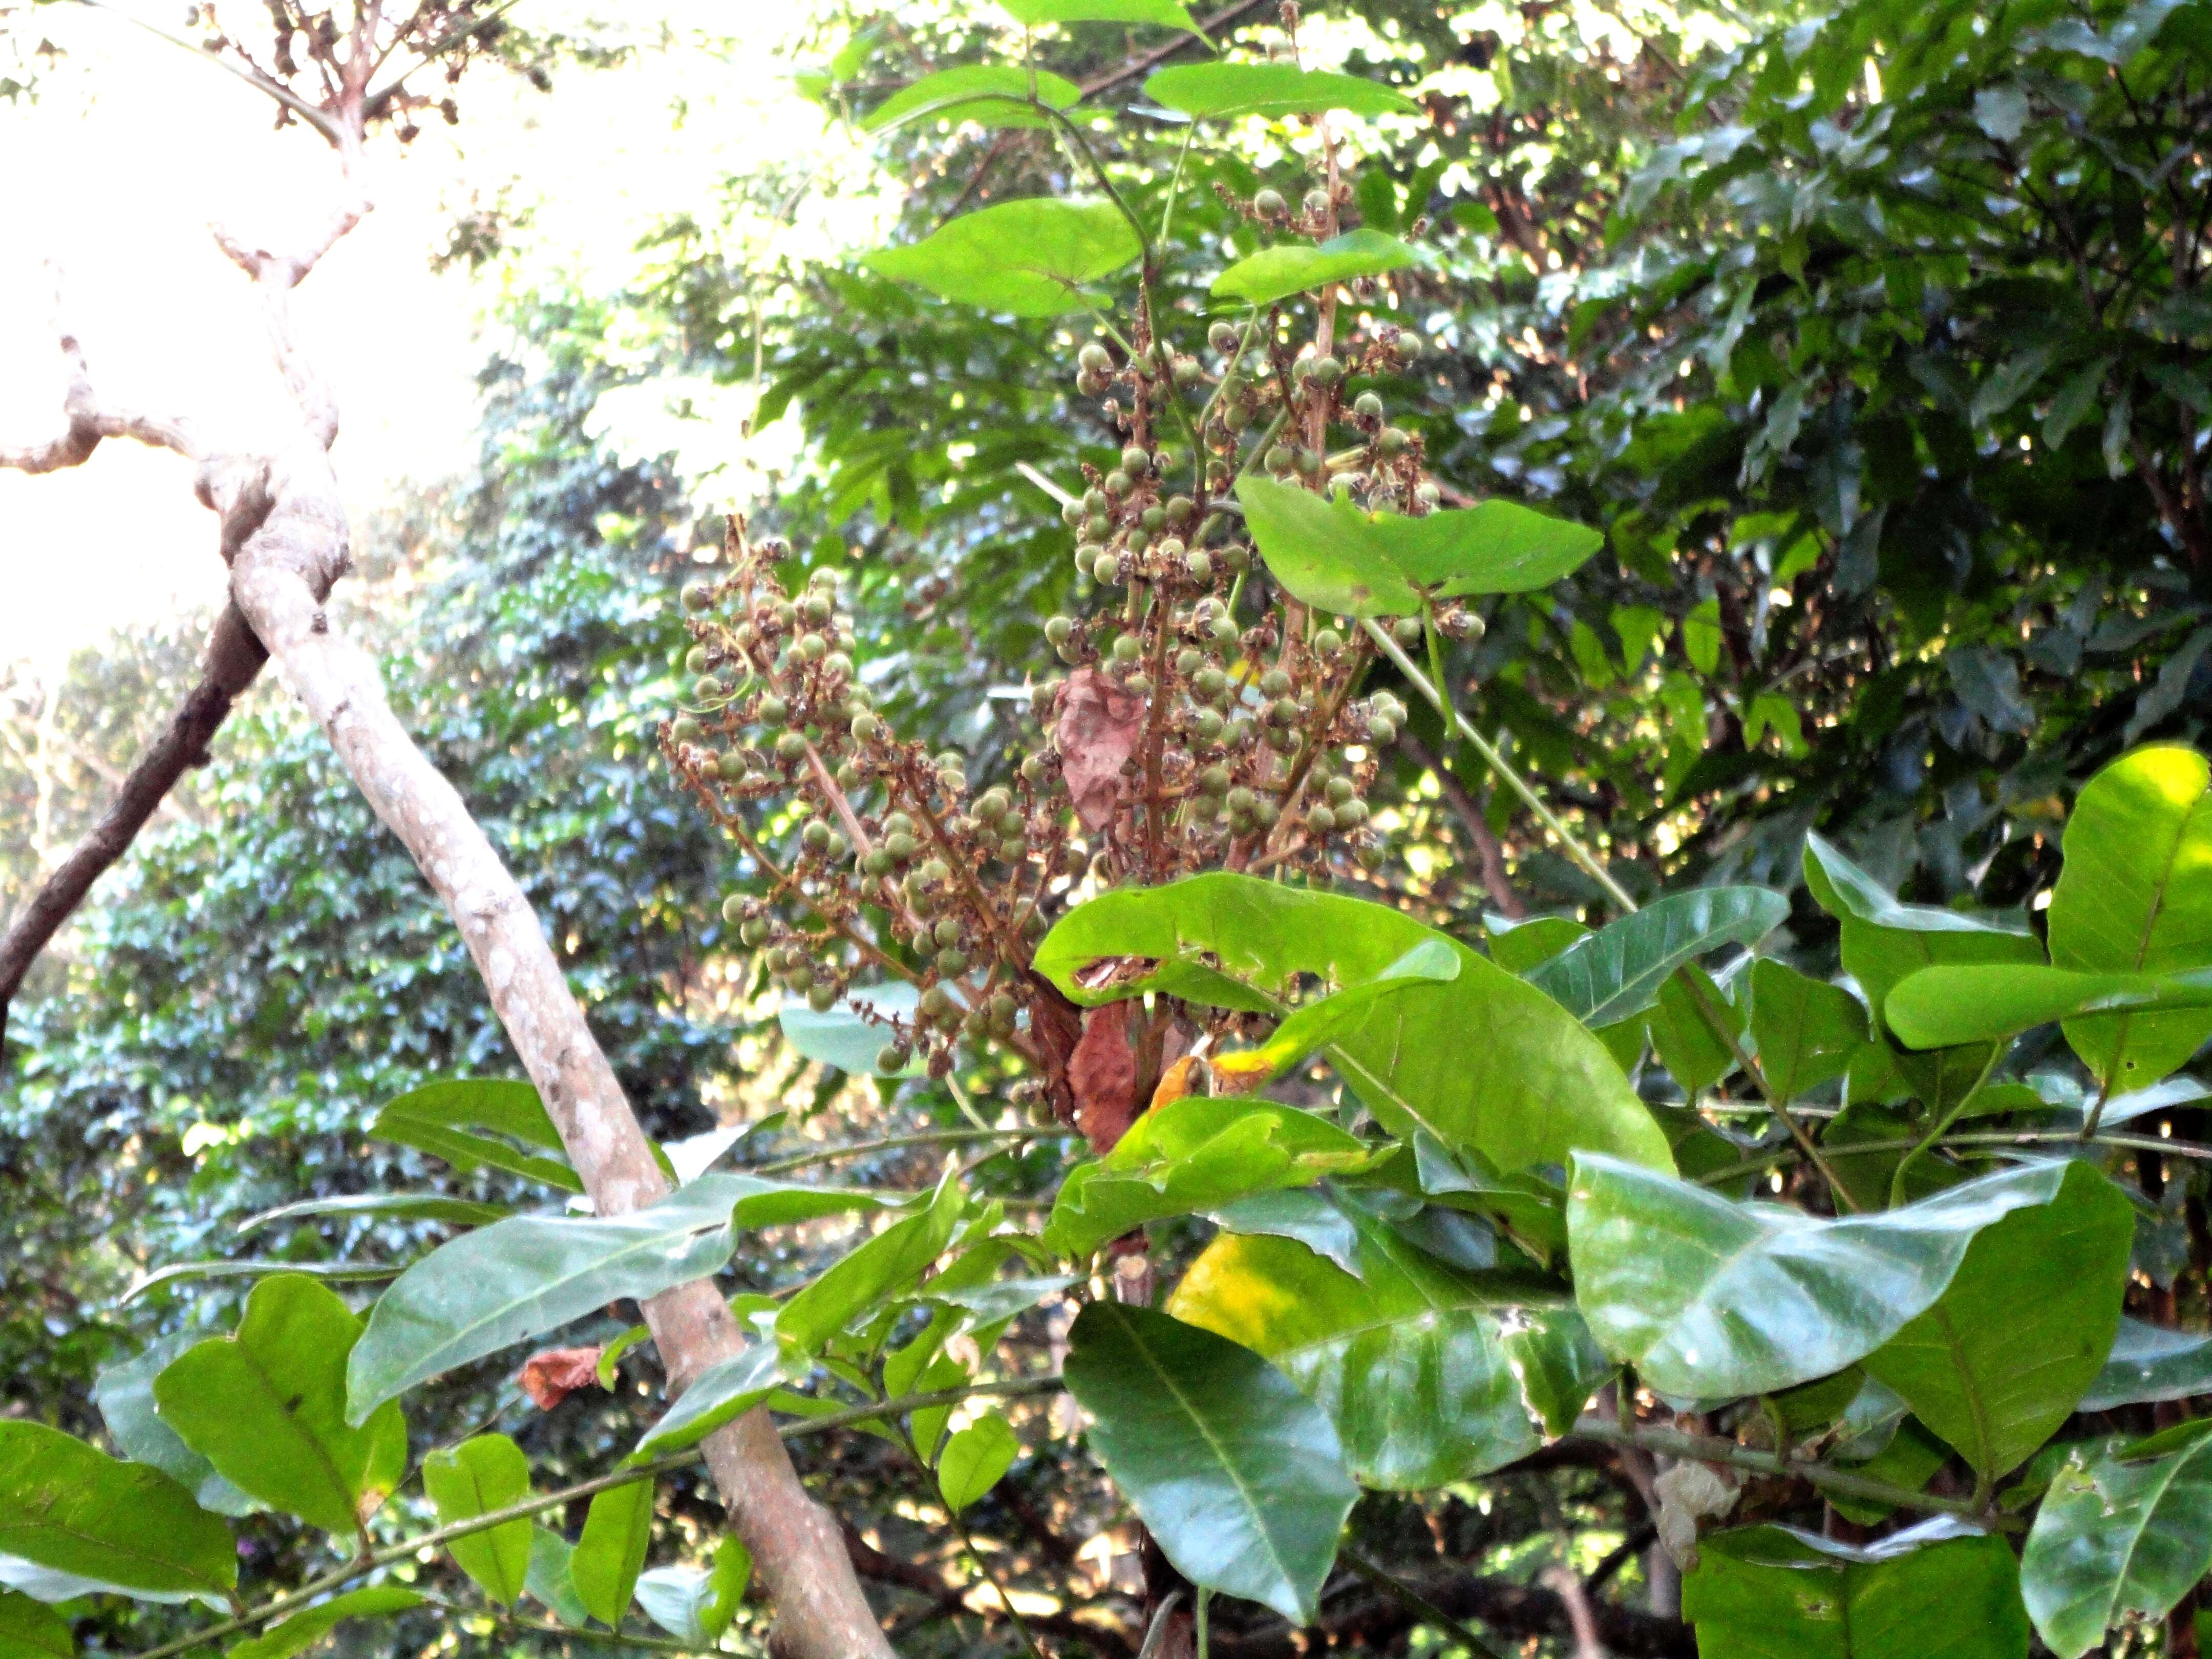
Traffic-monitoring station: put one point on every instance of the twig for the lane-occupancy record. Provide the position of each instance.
(1419, 1605)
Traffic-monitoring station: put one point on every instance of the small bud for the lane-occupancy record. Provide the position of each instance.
(1317, 202)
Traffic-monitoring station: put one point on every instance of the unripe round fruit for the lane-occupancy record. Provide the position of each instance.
(1119, 484)
(1284, 711)
(1138, 540)
(1320, 819)
(817, 609)
(1072, 514)
(822, 999)
(1225, 630)
(1139, 683)
(1222, 337)
(786, 614)
(707, 688)
(1369, 854)
(1281, 457)
(1181, 510)
(837, 848)
(1391, 442)
(1266, 814)
(892, 1057)
(1406, 631)
(791, 746)
(1086, 556)
(1209, 683)
(1316, 200)
(1129, 648)
(1097, 527)
(698, 660)
(992, 802)
(1207, 727)
(1236, 558)
(1186, 372)
(1094, 357)
(1269, 204)
(1367, 406)
(1326, 371)
(1241, 799)
(1003, 1008)
(1351, 815)
(729, 766)
(934, 873)
(1014, 849)
(815, 836)
(1189, 661)
(900, 845)
(897, 823)
(878, 863)
(1406, 347)
(754, 932)
(952, 962)
(867, 728)
(1136, 460)
(733, 907)
(936, 1002)
(684, 730)
(1337, 792)
(1382, 733)
(812, 648)
(1033, 767)
(1094, 501)
(698, 595)
(772, 710)
(1106, 570)
(1057, 628)
(800, 978)
(1328, 639)
(1427, 494)
(1274, 684)
(1214, 781)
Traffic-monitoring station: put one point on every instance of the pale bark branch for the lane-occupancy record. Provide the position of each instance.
(233, 658)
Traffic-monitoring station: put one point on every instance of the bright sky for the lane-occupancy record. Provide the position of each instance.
(134, 147)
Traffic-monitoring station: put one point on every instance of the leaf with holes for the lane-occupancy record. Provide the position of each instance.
(2123, 1532)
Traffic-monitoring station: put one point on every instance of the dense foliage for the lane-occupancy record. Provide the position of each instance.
(1120, 728)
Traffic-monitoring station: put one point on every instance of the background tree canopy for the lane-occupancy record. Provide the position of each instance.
(1872, 339)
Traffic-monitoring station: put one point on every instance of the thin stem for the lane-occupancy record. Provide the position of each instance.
(1419, 1605)
(507, 1620)
(897, 1143)
(1936, 1130)
(1175, 183)
(1717, 1023)
(2189, 1149)
(1201, 1617)
(1496, 762)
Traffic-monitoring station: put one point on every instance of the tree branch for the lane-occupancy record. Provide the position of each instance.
(233, 658)
(1489, 851)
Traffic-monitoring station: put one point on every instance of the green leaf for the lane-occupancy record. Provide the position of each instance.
(1314, 1025)
(549, 1580)
(864, 1279)
(722, 1392)
(414, 1207)
(1560, 1366)
(1405, 1357)
(1277, 273)
(1239, 1477)
(475, 1478)
(1194, 1154)
(1029, 257)
(842, 1036)
(30, 1630)
(1884, 940)
(1694, 1055)
(993, 95)
(1306, 1214)
(476, 1122)
(1805, 1032)
(268, 1408)
(974, 1461)
(1517, 946)
(2136, 895)
(1220, 91)
(1946, 1007)
(1339, 556)
(1484, 1061)
(695, 1604)
(124, 1394)
(309, 1625)
(334, 1272)
(519, 1278)
(1711, 1300)
(1777, 1593)
(2024, 1327)
(2119, 1533)
(66, 1506)
(612, 1552)
(1168, 13)
(2148, 1363)
(1617, 971)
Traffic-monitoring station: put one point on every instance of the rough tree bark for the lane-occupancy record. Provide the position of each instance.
(283, 534)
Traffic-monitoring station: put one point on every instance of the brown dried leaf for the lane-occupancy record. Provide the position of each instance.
(551, 1375)
(1096, 732)
(1103, 1072)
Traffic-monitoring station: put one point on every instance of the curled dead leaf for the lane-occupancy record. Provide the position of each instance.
(1103, 1072)
(1095, 732)
(551, 1375)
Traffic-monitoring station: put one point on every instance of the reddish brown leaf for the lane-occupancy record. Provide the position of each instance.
(1096, 734)
(1103, 1072)
(551, 1375)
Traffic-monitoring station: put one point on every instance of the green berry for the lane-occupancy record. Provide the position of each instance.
(698, 595)
(900, 845)
(1014, 849)
(1222, 337)
(790, 747)
(1129, 648)
(1406, 631)
(1181, 510)
(1351, 815)
(1057, 628)
(1382, 733)
(1281, 459)
(1094, 357)
(1241, 799)
(952, 962)
(772, 710)
(1316, 200)
(1154, 517)
(1326, 371)
(1338, 791)
(733, 907)
(1320, 819)
(1189, 661)
(1391, 442)
(1269, 204)
(698, 660)
(1209, 683)
(707, 688)
(1274, 684)
(1367, 406)
(1119, 484)
(1106, 569)
(754, 932)
(1198, 566)
(892, 1057)
(1214, 781)
(822, 999)
(815, 836)
(936, 1002)
(935, 873)
(1205, 727)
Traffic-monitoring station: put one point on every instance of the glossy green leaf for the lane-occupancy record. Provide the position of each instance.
(998, 1299)
(2149, 1363)
(1885, 940)
(2119, 1533)
(2000, 1360)
(330, 1272)
(993, 95)
(2136, 895)
(842, 1035)
(1168, 13)
(1485, 1061)
(1617, 971)
(476, 1122)
(1338, 556)
(1946, 1006)
(1194, 1154)
(1222, 90)
(1560, 1365)
(519, 1277)
(1777, 1593)
(303, 1629)
(695, 1604)
(267, 1407)
(1276, 273)
(549, 1580)
(1031, 258)
(611, 1554)
(1695, 1055)
(1805, 1032)
(31, 1629)
(863, 1280)
(974, 1461)
(124, 1394)
(722, 1392)
(411, 1207)
(1405, 1357)
(65, 1506)
(484, 1474)
(1711, 1300)
(1239, 1476)
(1517, 946)
(1305, 1213)
(1316, 1024)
